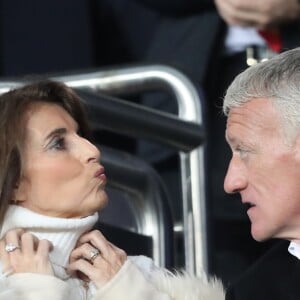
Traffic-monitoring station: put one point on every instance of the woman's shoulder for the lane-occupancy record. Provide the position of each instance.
(33, 286)
(145, 264)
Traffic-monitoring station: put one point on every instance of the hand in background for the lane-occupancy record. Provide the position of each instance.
(260, 14)
(96, 258)
(28, 254)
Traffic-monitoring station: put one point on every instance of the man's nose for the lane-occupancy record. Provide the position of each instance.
(235, 179)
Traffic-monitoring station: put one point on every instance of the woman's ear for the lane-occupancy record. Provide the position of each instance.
(20, 194)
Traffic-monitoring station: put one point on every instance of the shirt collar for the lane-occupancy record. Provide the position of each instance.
(294, 249)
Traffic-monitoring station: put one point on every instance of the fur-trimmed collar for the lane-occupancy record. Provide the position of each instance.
(181, 286)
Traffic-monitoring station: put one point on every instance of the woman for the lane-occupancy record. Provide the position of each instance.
(51, 189)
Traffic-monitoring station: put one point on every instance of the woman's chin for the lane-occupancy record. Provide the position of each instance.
(101, 201)
(89, 206)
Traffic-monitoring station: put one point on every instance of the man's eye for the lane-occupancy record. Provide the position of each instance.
(242, 152)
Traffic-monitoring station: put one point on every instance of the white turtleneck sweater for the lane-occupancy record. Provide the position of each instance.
(138, 278)
(63, 234)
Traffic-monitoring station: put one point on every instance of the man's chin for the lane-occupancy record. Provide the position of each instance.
(259, 235)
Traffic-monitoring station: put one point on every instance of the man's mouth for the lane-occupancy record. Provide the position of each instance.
(248, 205)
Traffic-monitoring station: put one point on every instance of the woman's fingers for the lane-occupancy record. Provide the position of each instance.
(97, 239)
(23, 252)
(97, 258)
(120, 253)
(44, 247)
(4, 257)
(43, 264)
(107, 249)
(13, 239)
(100, 274)
(28, 243)
(86, 251)
(83, 266)
(10, 241)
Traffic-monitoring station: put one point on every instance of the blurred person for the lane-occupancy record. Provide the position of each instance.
(261, 15)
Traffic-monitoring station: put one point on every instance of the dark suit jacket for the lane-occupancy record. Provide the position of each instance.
(276, 276)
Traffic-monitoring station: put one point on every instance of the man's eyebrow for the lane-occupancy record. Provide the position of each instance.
(57, 131)
(230, 140)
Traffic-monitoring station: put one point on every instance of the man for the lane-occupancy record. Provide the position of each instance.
(263, 131)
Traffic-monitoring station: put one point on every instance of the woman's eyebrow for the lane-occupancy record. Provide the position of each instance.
(55, 132)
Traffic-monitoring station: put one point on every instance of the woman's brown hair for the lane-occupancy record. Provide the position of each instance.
(14, 106)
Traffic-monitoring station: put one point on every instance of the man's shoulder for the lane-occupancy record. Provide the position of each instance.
(276, 252)
(277, 258)
(272, 275)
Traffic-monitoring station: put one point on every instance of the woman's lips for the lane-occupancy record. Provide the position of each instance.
(101, 174)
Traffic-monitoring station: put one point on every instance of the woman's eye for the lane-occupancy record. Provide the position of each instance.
(58, 144)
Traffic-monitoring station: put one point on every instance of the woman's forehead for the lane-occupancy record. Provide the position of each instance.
(46, 117)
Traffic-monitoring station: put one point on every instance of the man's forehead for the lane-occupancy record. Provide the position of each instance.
(259, 111)
(256, 106)
(257, 115)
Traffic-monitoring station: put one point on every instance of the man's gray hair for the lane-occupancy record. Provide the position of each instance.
(277, 79)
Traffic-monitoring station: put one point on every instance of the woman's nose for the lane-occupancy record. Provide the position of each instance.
(90, 151)
(235, 179)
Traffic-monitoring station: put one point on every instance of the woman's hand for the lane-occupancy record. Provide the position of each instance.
(96, 258)
(22, 252)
